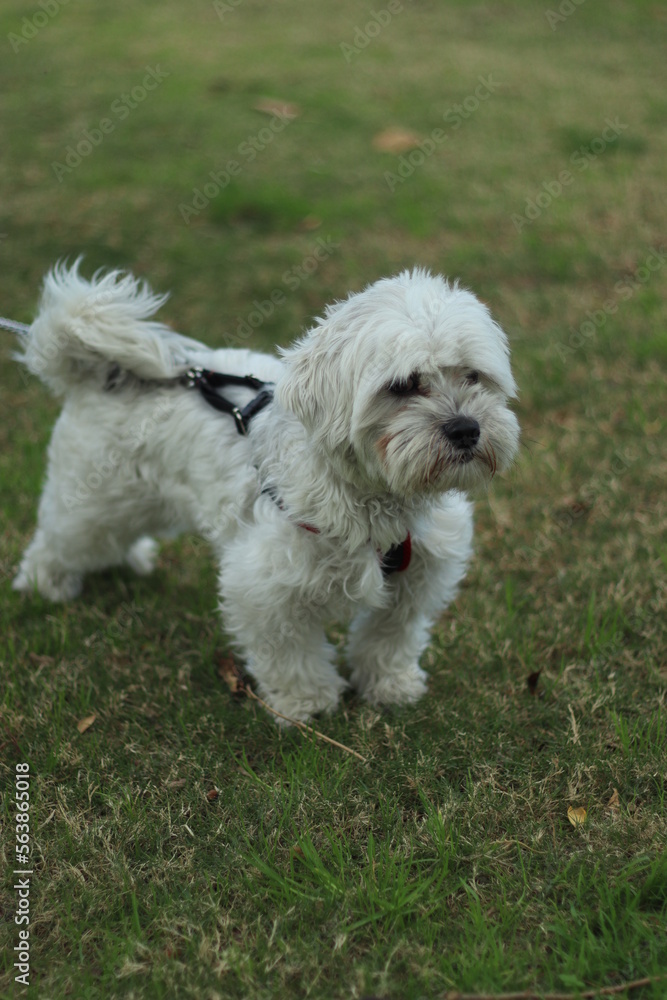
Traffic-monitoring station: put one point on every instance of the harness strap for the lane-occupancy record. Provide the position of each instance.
(269, 491)
(207, 382)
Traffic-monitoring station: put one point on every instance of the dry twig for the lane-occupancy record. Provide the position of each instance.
(602, 991)
(302, 725)
(231, 674)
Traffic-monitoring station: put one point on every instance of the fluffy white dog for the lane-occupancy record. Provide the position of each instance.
(340, 492)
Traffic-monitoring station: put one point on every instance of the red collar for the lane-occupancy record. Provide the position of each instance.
(395, 560)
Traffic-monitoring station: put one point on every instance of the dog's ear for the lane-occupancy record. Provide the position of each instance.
(315, 386)
(300, 387)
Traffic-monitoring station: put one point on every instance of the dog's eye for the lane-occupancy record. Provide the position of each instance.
(472, 378)
(405, 386)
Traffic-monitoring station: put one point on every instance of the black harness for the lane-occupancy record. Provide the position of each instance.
(208, 382)
(396, 560)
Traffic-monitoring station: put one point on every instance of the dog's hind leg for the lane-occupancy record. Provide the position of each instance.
(56, 565)
(93, 514)
(142, 555)
(79, 535)
(57, 570)
(42, 569)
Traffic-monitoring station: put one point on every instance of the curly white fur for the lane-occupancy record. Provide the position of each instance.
(357, 445)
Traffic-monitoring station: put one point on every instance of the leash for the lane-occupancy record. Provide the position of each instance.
(13, 326)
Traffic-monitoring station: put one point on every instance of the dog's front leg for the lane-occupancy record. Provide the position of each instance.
(385, 644)
(273, 613)
(384, 648)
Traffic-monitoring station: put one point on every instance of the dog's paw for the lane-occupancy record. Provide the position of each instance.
(302, 708)
(142, 556)
(54, 585)
(394, 688)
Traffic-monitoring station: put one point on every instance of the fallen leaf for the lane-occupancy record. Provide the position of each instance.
(212, 795)
(231, 675)
(576, 505)
(86, 723)
(396, 140)
(577, 817)
(278, 108)
(532, 681)
(309, 223)
(41, 661)
(614, 802)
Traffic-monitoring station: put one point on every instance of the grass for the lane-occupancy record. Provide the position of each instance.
(184, 846)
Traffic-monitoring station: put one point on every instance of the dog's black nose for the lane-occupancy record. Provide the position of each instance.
(462, 432)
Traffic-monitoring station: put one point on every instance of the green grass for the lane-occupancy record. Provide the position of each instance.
(447, 861)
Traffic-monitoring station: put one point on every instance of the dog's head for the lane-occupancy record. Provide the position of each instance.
(405, 387)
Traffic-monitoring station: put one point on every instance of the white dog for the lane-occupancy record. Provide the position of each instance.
(339, 492)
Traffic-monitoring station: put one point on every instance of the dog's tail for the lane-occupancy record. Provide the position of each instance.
(101, 328)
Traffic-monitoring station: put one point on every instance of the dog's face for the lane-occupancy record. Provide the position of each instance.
(405, 387)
